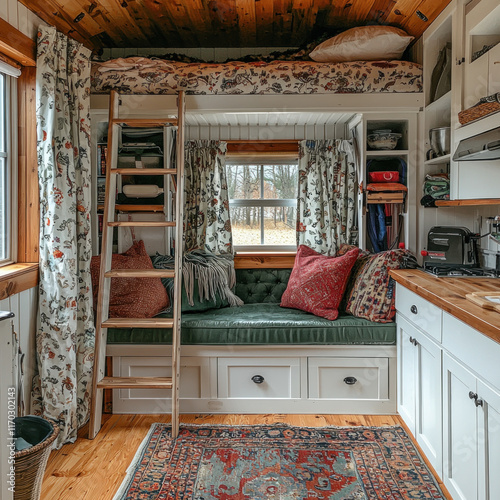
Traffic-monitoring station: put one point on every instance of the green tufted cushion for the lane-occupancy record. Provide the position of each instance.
(255, 286)
(262, 324)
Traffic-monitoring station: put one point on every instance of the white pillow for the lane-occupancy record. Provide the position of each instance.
(365, 43)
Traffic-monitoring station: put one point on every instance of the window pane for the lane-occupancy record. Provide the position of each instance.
(245, 224)
(3, 114)
(280, 181)
(3, 210)
(279, 226)
(243, 181)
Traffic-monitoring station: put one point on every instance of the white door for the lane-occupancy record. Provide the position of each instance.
(460, 465)
(489, 442)
(407, 373)
(429, 431)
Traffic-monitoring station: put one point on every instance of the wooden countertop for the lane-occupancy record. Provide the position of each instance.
(449, 295)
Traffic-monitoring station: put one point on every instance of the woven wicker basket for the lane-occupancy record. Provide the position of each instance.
(30, 467)
(477, 112)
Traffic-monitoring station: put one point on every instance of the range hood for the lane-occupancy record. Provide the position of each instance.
(482, 147)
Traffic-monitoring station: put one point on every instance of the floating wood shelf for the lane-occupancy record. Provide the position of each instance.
(389, 197)
(438, 160)
(139, 208)
(467, 203)
(141, 223)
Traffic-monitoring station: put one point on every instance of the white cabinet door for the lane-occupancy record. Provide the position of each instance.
(460, 463)
(429, 433)
(407, 373)
(489, 442)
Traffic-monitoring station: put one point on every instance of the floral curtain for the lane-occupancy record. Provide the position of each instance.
(327, 202)
(207, 222)
(65, 331)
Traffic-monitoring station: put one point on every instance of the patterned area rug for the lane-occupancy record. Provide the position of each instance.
(278, 462)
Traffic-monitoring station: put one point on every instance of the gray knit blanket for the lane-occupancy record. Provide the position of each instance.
(214, 273)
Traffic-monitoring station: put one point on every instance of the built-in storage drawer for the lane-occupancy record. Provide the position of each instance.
(472, 348)
(348, 378)
(194, 382)
(419, 311)
(258, 378)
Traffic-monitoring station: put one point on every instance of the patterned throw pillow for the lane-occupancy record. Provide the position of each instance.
(372, 295)
(131, 297)
(363, 258)
(317, 282)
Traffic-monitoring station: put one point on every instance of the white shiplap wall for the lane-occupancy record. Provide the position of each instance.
(16, 14)
(24, 306)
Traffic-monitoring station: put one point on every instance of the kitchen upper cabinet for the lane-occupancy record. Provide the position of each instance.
(419, 389)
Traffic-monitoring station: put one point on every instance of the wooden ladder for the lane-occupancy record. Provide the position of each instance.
(103, 322)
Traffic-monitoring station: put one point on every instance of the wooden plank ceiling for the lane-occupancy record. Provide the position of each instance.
(225, 23)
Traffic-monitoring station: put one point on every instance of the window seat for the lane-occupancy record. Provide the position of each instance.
(262, 358)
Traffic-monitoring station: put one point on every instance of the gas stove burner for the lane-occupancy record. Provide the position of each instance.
(460, 272)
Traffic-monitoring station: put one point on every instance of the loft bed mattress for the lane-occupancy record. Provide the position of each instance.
(139, 75)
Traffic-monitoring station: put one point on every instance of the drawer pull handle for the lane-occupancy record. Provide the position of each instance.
(258, 379)
(350, 380)
(477, 400)
(414, 309)
(413, 340)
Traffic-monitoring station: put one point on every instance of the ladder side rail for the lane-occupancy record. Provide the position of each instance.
(179, 247)
(106, 257)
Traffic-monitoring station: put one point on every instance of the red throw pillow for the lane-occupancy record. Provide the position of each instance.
(131, 297)
(317, 282)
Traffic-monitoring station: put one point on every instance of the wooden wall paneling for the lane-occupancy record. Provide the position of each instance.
(22, 18)
(284, 260)
(16, 45)
(245, 10)
(28, 193)
(430, 8)
(55, 14)
(264, 15)
(381, 9)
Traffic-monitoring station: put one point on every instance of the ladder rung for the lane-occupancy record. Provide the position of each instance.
(135, 383)
(138, 223)
(139, 208)
(144, 171)
(140, 273)
(138, 323)
(145, 122)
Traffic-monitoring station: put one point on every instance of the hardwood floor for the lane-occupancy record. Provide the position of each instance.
(93, 470)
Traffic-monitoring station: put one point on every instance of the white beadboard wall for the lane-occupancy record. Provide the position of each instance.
(218, 54)
(24, 305)
(16, 14)
(295, 132)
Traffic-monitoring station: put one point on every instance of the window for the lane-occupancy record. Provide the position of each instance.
(262, 204)
(7, 160)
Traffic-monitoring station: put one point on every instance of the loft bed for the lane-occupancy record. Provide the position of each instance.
(140, 75)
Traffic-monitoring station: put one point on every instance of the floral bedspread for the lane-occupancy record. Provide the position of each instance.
(139, 75)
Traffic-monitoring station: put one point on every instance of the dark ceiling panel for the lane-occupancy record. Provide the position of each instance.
(224, 23)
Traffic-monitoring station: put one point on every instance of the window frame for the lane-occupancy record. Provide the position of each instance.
(10, 154)
(262, 203)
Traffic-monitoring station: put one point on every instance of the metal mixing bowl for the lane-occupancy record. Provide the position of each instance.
(440, 140)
